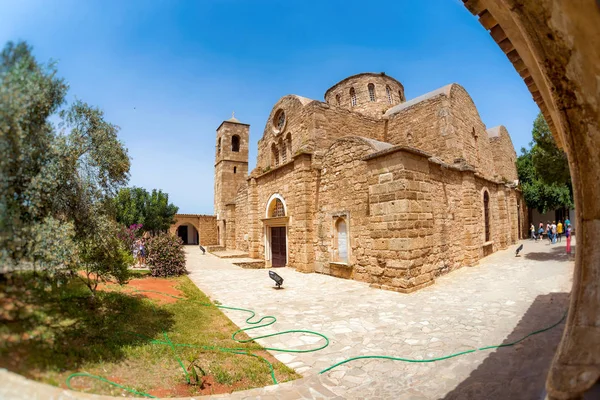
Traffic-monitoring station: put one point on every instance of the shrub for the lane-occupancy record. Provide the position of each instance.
(165, 255)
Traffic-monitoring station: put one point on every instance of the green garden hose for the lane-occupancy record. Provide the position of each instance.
(428, 360)
(270, 321)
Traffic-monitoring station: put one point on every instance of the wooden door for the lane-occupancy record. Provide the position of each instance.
(278, 248)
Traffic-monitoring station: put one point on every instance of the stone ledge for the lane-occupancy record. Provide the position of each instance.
(341, 270)
(402, 290)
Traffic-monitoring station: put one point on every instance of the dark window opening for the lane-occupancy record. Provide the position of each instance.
(235, 143)
(486, 211)
(352, 97)
(235, 170)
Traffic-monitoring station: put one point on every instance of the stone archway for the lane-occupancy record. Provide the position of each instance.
(553, 45)
(188, 233)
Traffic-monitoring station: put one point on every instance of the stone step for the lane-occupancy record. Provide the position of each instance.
(258, 264)
(213, 248)
(233, 255)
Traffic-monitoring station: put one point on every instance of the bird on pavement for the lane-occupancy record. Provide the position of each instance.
(518, 250)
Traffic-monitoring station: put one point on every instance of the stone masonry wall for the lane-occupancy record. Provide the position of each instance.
(473, 143)
(427, 219)
(295, 182)
(364, 104)
(241, 219)
(231, 168)
(449, 202)
(206, 225)
(401, 228)
(448, 126)
(313, 126)
(208, 230)
(426, 126)
(504, 154)
(344, 192)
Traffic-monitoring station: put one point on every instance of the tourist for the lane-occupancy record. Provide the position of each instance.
(553, 227)
(136, 249)
(143, 252)
(532, 229)
(568, 236)
(559, 230)
(567, 222)
(541, 231)
(549, 231)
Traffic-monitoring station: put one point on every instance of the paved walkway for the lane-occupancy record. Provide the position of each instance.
(500, 300)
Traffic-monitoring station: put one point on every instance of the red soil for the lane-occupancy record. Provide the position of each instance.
(137, 287)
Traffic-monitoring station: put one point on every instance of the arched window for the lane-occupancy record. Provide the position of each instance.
(235, 143)
(274, 155)
(338, 99)
(371, 88)
(276, 209)
(219, 146)
(399, 96)
(486, 214)
(341, 236)
(235, 170)
(352, 97)
(283, 151)
(388, 91)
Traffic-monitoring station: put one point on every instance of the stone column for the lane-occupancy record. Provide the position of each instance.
(303, 214)
(254, 223)
(471, 215)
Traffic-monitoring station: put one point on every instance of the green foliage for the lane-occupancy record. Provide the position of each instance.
(52, 247)
(29, 94)
(166, 256)
(103, 256)
(543, 172)
(55, 187)
(152, 210)
(550, 162)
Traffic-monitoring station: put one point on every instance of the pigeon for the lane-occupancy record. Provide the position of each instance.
(518, 250)
(203, 250)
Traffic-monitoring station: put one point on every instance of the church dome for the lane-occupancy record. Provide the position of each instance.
(367, 93)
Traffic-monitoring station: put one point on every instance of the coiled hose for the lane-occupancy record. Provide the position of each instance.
(270, 320)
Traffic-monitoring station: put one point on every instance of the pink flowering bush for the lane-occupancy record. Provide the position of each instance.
(165, 255)
(129, 235)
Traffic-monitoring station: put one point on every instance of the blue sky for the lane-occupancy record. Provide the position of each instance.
(168, 72)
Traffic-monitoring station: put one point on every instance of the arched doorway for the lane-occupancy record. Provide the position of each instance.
(276, 241)
(188, 234)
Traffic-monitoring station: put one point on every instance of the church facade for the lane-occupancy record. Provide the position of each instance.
(368, 186)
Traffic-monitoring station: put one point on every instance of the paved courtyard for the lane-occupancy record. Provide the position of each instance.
(498, 301)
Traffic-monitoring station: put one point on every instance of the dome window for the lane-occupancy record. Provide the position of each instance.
(371, 88)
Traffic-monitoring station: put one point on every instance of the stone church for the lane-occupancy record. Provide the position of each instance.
(368, 186)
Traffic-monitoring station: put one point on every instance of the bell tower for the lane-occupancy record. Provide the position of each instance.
(231, 169)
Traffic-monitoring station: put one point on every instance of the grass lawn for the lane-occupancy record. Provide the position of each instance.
(48, 333)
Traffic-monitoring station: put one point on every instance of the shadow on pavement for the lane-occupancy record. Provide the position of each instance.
(556, 253)
(519, 372)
